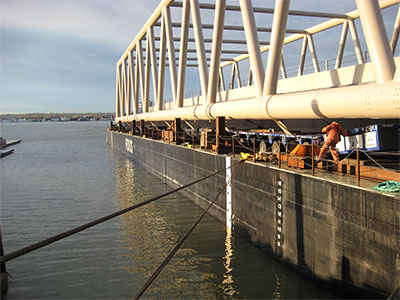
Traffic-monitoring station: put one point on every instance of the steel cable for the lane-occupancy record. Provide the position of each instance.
(38, 245)
(379, 165)
(183, 239)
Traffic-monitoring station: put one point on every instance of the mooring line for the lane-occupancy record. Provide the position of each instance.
(183, 239)
(38, 245)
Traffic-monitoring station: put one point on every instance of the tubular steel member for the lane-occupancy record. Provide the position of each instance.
(365, 98)
(377, 41)
(276, 44)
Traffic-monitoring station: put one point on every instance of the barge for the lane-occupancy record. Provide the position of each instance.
(322, 218)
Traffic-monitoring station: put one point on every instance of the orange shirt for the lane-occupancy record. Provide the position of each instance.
(333, 132)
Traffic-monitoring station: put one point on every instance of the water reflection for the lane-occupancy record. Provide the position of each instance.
(277, 291)
(150, 232)
(213, 263)
(228, 283)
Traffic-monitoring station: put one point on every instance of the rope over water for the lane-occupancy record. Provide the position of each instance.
(183, 239)
(38, 245)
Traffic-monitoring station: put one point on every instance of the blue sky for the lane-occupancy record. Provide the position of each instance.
(60, 55)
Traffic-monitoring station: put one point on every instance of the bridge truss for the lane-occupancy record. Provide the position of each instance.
(369, 88)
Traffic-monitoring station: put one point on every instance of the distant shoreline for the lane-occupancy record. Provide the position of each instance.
(55, 117)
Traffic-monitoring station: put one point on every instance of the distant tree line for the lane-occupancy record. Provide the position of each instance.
(48, 116)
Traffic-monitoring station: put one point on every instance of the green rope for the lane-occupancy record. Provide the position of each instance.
(388, 186)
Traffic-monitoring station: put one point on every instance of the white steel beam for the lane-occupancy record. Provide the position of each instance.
(283, 68)
(127, 90)
(221, 79)
(154, 63)
(171, 51)
(139, 62)
(276, 45)
(137, 86)
(320, 28)
(253, 45)
(232, 83)
(395, 34)
(183, 52)
(131, 83)
(161, 74)
(146, 100)
(356, 42)
(318, 104)
(377, 40)
(238, 78)
(201, 53)
(342, 43)
(117, 94)
(219, 18)
(313, 53)
(303, 56)
(271, 11)
(123, 88)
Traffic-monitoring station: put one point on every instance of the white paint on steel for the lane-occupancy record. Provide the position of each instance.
(276, 44)
(395, 34)
(228, 160)
(313, 53)
(377, 41)
(183, 52)
(356, 42)
(161, 73)
(139, 62)
(117, 94)
(342, 43)
(154, 63)
(171, 51)
(216, 51)
(303, 56)
(368, 100)
(200, 49)
(253, 47)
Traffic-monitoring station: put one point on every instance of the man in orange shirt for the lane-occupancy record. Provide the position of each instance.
(333, 132)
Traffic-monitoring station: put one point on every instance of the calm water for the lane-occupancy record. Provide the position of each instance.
(64, 174)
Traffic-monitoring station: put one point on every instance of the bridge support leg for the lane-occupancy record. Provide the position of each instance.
(177, 131)
(220, 131)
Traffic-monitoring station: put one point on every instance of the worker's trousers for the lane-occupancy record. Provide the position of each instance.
(329, 145)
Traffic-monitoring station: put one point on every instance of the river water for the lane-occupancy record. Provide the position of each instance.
(63, 175)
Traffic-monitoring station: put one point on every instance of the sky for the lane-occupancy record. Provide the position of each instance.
(60, 55)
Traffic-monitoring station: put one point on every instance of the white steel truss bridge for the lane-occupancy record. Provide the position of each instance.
(203, 43)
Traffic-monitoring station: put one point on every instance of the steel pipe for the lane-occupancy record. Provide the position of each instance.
(199, 40)
(377, 41)
(276, 45)
(253, 47)
(183, 52)
(378, 101)
(216, 51)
